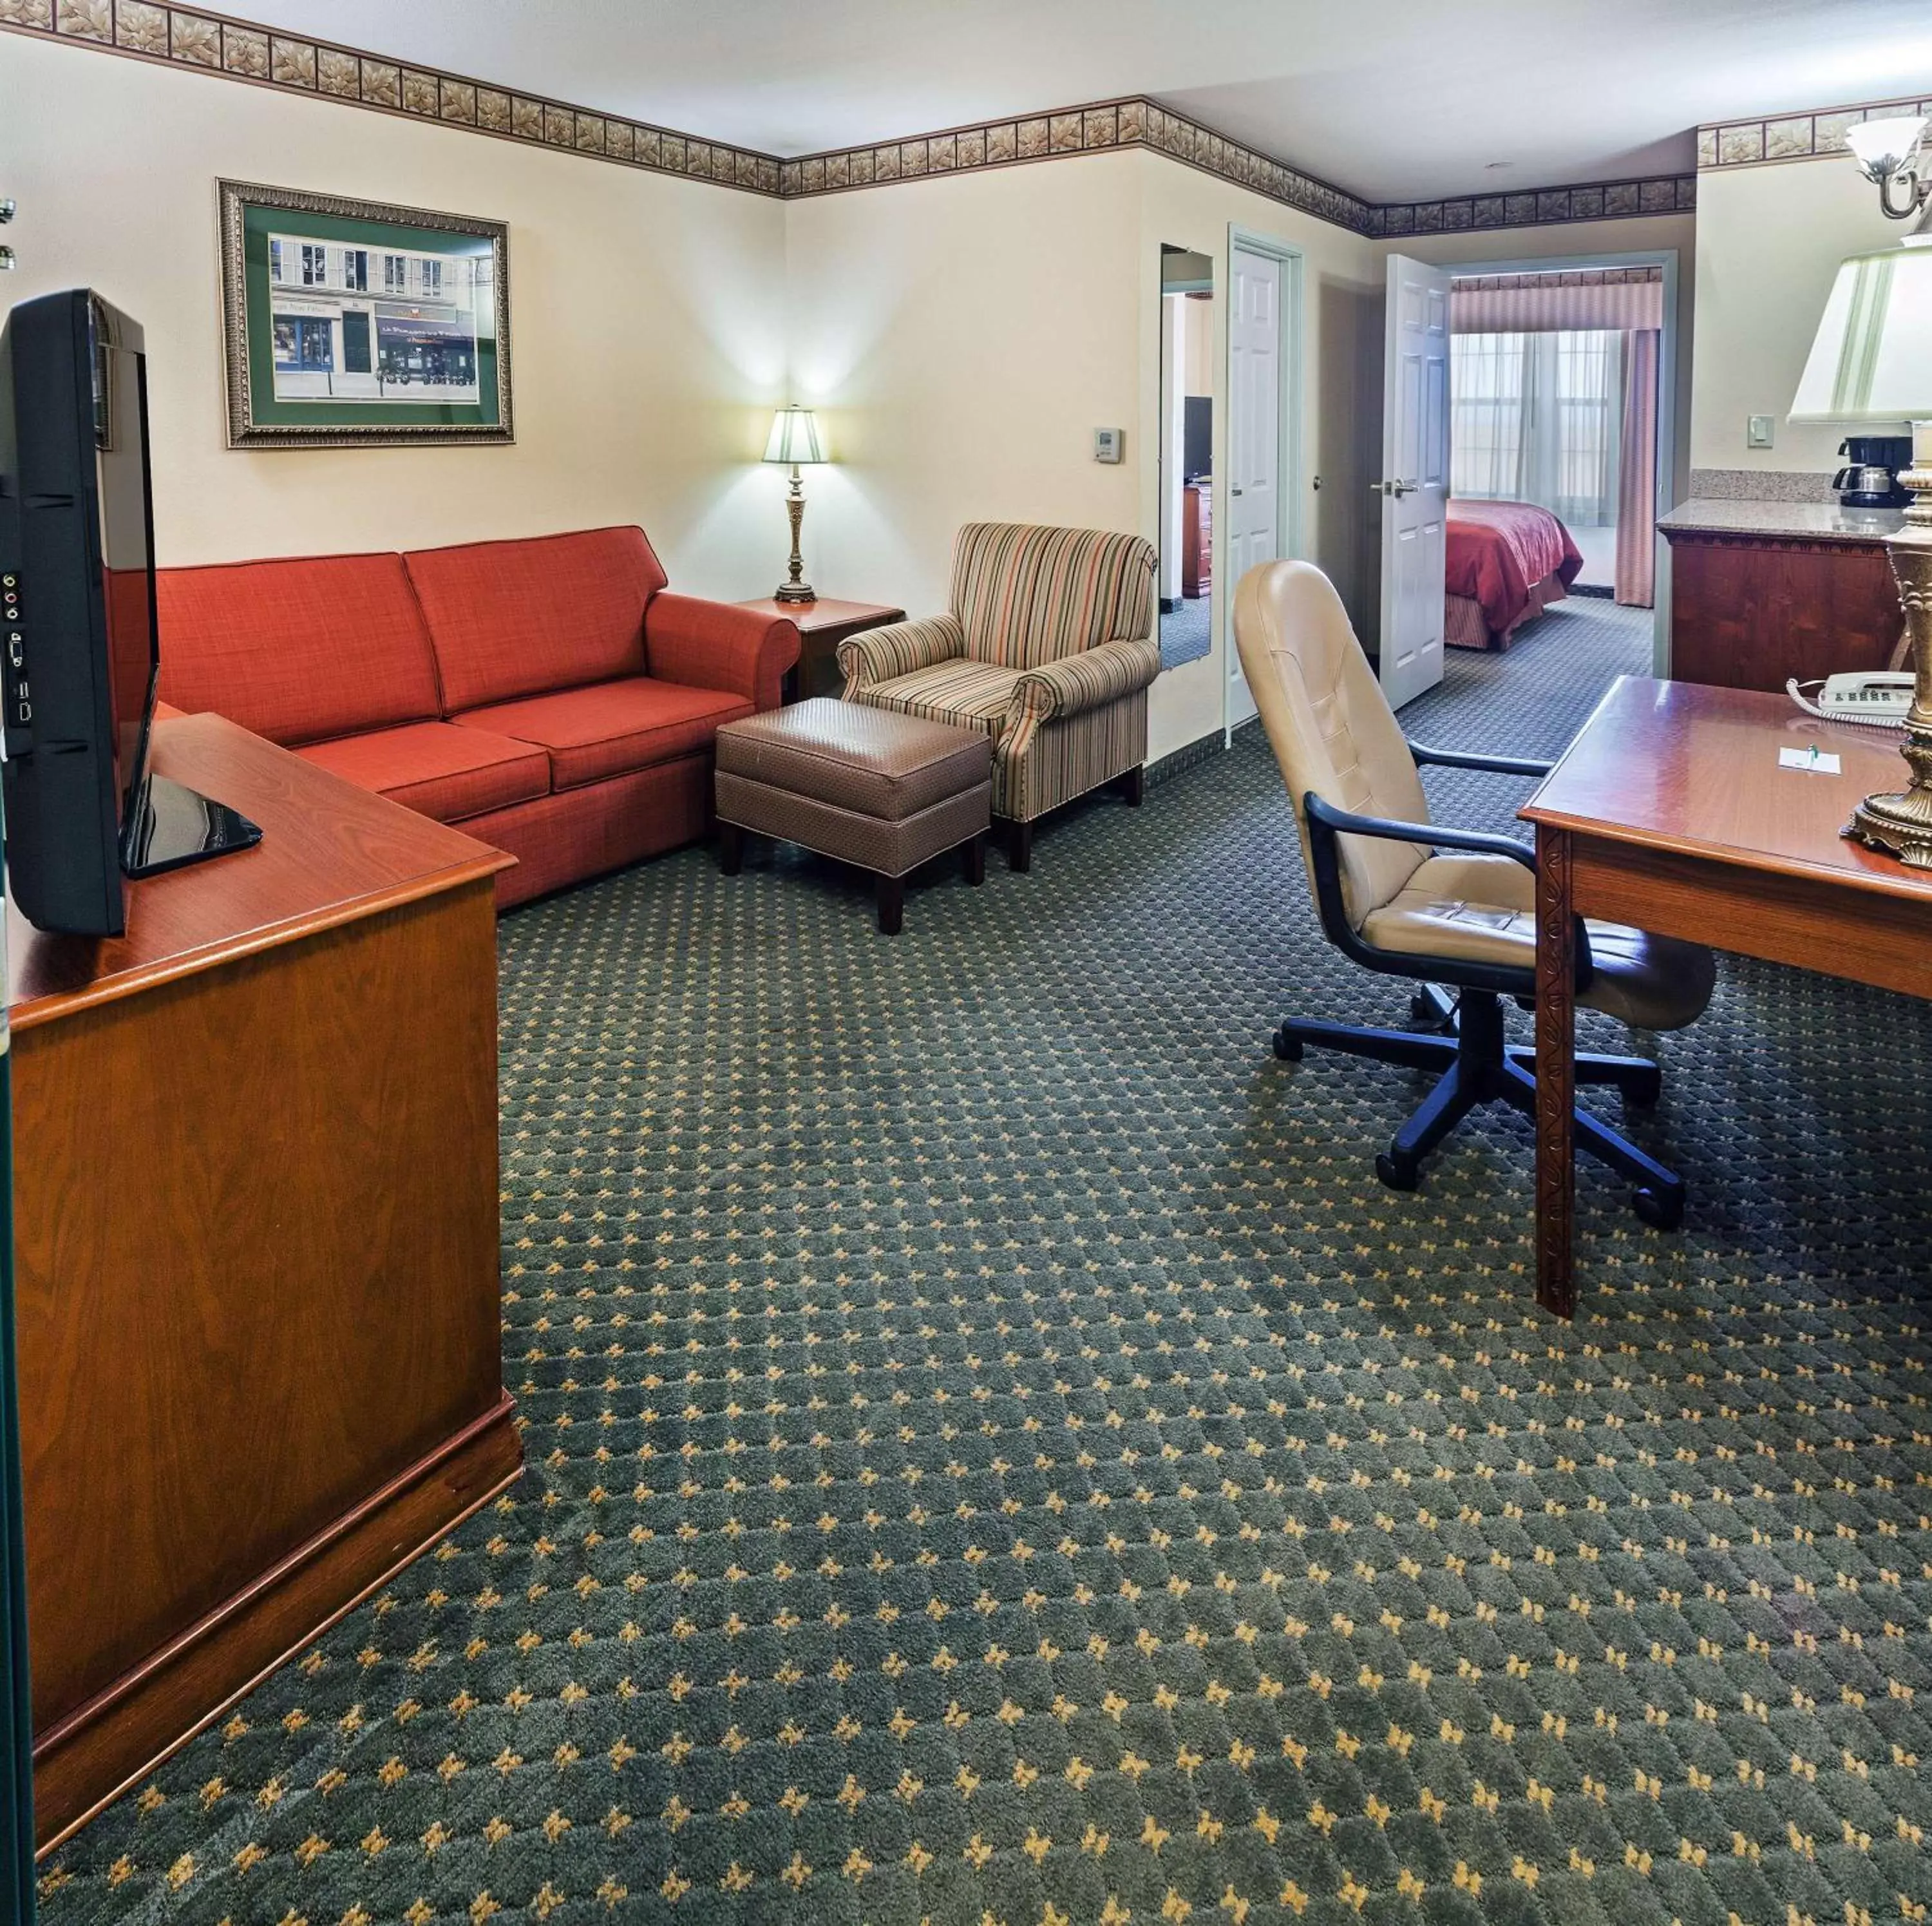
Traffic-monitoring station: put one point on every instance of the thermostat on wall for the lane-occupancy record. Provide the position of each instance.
(1109, 443)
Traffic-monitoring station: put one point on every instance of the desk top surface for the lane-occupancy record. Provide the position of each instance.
(329, 852)
(1686, 767)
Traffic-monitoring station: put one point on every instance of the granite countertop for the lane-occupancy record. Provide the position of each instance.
(1809, 521)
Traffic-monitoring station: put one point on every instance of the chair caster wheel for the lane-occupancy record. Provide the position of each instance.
(1398, 1177)
(1425, 1013)
(1662, 1210)
(1288, 1047)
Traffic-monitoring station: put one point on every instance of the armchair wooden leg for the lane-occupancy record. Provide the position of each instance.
(891, 904)
(731, 848)
(1019, 846)
(1133, 784)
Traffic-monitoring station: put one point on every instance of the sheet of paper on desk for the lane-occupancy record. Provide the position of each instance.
(1816, 760)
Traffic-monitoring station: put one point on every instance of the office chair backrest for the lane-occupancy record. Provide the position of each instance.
(1329, 725)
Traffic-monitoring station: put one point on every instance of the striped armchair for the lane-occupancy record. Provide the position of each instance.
(1048, 648)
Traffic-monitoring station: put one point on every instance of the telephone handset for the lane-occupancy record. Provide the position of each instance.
(1881, 696)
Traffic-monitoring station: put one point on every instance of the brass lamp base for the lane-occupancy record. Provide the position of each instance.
(1899, 822)
(795, 588)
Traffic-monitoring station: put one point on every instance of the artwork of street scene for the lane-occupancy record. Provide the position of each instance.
(374, 324)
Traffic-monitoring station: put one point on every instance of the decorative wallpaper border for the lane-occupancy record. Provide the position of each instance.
(196, 38)
(1136, 122)
(193, 37)
(1540, 207)
(1817, 135)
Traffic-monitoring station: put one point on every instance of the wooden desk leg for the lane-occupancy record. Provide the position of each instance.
(1556, 1073)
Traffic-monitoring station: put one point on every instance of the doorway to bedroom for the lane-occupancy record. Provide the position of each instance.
(1527, 450)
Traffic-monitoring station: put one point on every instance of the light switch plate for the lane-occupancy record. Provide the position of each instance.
(1109, 443)
(1758, 431)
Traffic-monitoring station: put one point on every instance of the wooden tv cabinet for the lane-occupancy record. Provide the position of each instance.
(256, 1254)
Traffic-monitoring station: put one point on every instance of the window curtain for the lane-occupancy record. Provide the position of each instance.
(1539, 418)
(1636, 584)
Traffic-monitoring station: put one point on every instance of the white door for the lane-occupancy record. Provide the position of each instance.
(1254, 439)
(1414, 484)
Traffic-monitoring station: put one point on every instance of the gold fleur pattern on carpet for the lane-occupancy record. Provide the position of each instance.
(996, 1455)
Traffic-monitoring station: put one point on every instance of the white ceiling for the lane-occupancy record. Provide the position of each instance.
(1401, 100)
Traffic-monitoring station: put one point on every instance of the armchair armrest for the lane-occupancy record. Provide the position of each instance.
(878, 655)
(718, 645)
(1460, 758)
(1088, 680)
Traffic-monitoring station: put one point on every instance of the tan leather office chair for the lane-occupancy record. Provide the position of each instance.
(1400, 895)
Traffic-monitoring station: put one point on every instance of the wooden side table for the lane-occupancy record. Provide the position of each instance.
(822, 626)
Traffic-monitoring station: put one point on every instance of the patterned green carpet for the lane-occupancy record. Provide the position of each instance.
(998, 1455)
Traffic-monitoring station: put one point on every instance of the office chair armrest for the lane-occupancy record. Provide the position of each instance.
(1497, 765)
(1431, 835)
(1326, 822)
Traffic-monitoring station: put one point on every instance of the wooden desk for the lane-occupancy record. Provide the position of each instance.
(257, 1247)
(822, 626)
(1669, 812)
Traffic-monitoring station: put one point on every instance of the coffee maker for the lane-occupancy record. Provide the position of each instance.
(1871, 479)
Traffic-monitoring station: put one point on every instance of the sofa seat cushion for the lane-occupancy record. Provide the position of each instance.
(437, 769)
(512, 619)
(969, 694)
(297, 651)
(612, 727)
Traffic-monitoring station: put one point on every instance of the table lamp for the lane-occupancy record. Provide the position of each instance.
(1872, 362)
(795, 440)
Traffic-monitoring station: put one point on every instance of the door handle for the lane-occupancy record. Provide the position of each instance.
(1394, 487)
(1234, 491)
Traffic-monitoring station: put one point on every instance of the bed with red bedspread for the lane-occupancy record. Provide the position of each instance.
(1508, 562)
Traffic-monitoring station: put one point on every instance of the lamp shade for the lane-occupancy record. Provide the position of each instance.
(794, 437)
(1872, 360)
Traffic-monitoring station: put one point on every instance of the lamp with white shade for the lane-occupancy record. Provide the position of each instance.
(795, 440)
(1872, 363)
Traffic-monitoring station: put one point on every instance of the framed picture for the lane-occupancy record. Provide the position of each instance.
(347, 324)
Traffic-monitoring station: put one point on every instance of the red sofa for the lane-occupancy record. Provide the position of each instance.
(549, 696)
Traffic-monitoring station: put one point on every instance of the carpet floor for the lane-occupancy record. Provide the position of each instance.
(997, 1455)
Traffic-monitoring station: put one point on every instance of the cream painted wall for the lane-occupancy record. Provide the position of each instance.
(1769, 240)
(964, 337)
(648, 346)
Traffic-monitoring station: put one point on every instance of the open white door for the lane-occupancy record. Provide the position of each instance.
(1414, 484)
(1254, 436)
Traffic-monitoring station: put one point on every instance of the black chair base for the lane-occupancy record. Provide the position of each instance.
(1467, 1046)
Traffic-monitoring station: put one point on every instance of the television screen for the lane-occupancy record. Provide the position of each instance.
(1197, 453)
(78, 619)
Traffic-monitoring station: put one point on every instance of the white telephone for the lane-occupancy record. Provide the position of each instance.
(1881, 696)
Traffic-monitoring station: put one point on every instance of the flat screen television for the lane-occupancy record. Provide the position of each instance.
(78, 627)
(1197, 451)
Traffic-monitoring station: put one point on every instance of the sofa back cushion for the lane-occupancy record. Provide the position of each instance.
(508, 619)
(1025, 595)
(298, 650)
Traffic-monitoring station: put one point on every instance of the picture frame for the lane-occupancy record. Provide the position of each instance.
(355, 324)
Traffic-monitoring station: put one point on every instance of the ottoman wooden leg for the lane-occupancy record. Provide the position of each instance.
(892, 904)
(731, 848)
(975, 860)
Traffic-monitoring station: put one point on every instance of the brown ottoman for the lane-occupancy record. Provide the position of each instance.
(870, 786)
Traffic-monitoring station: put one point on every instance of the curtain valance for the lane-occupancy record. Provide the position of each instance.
(1624, 300)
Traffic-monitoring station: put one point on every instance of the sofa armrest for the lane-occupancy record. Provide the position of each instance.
(878, 655)
(719, 645)
(1088, 680)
